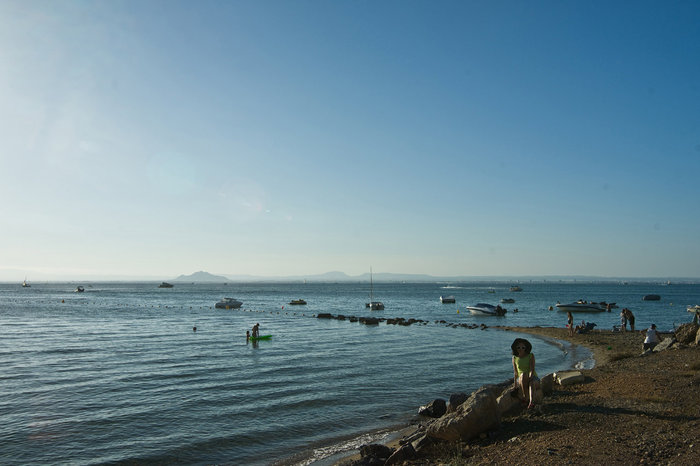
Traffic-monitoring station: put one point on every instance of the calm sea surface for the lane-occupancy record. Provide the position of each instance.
(117, 374)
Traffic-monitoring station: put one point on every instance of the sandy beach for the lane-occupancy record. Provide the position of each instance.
(631, 409)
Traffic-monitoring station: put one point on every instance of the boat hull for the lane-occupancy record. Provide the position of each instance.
(486, 310)
(576, 307)
(228, 304)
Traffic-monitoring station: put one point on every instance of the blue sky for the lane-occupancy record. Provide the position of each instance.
(154, 138)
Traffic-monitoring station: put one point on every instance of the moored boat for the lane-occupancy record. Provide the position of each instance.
(515, 288)
(80, 289)
(651, 297)
(581, 306)
(165, 285)
(297, 302)
(228, 303)
(484, 309)
(507, 300)
(447, 299)
(372, 304)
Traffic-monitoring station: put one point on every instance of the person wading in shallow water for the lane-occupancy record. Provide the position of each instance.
(524, 373)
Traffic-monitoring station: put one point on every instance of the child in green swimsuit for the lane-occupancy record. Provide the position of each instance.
(524, 374)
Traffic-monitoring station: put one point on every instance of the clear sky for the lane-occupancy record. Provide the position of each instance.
(156, 138)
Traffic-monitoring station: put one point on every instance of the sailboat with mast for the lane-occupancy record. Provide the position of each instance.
(372, 304)
(25, 283)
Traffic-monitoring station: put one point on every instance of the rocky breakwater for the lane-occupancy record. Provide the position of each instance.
(395, 321)
(372, 320)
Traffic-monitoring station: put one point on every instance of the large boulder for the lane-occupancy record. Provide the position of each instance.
(476, 415)
(406, 452)
(456, 399)
(665, 344)
(686, 333)
(510, 401)
(569, 377)
(435, 408)
(547, 384)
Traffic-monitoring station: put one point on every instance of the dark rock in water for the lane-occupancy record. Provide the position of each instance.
(456, 399)
(435, 408)
(324, 315)
(353, 319)
(340, 317)
(369, 320)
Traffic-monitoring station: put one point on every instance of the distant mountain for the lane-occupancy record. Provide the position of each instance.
(201, 276)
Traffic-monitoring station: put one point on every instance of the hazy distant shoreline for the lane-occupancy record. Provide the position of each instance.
(339, 277)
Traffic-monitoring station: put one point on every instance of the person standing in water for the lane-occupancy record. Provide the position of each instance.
(524, 373)
(256, 331)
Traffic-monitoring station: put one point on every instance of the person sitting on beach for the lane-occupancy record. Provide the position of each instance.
(630, 318)
(570, 323)
(524, 374)
(652, 337)
(256, 330)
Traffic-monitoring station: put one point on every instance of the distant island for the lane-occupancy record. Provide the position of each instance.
(201, 276)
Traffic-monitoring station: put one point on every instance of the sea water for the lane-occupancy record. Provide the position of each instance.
(119, 374)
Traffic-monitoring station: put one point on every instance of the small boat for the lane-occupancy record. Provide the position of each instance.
(507, 300)
(228, 303)
(297, 302)
(25, 283)
(447, 299)
(372, 304)
(491, 290)
(165, 285)
(651, 297)
(80, 289)
(483, 309)
(581, 306)
(515, 288)
(695, 308)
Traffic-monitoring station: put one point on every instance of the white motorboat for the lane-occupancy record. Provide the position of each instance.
(447, 299)
(483, 309)
(695, 308)
(581, 306)
(228, 303)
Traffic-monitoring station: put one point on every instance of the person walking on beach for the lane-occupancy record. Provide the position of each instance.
(623, 321)
(524, 374)
(630, 318)
(570, 323)
(652, 337)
